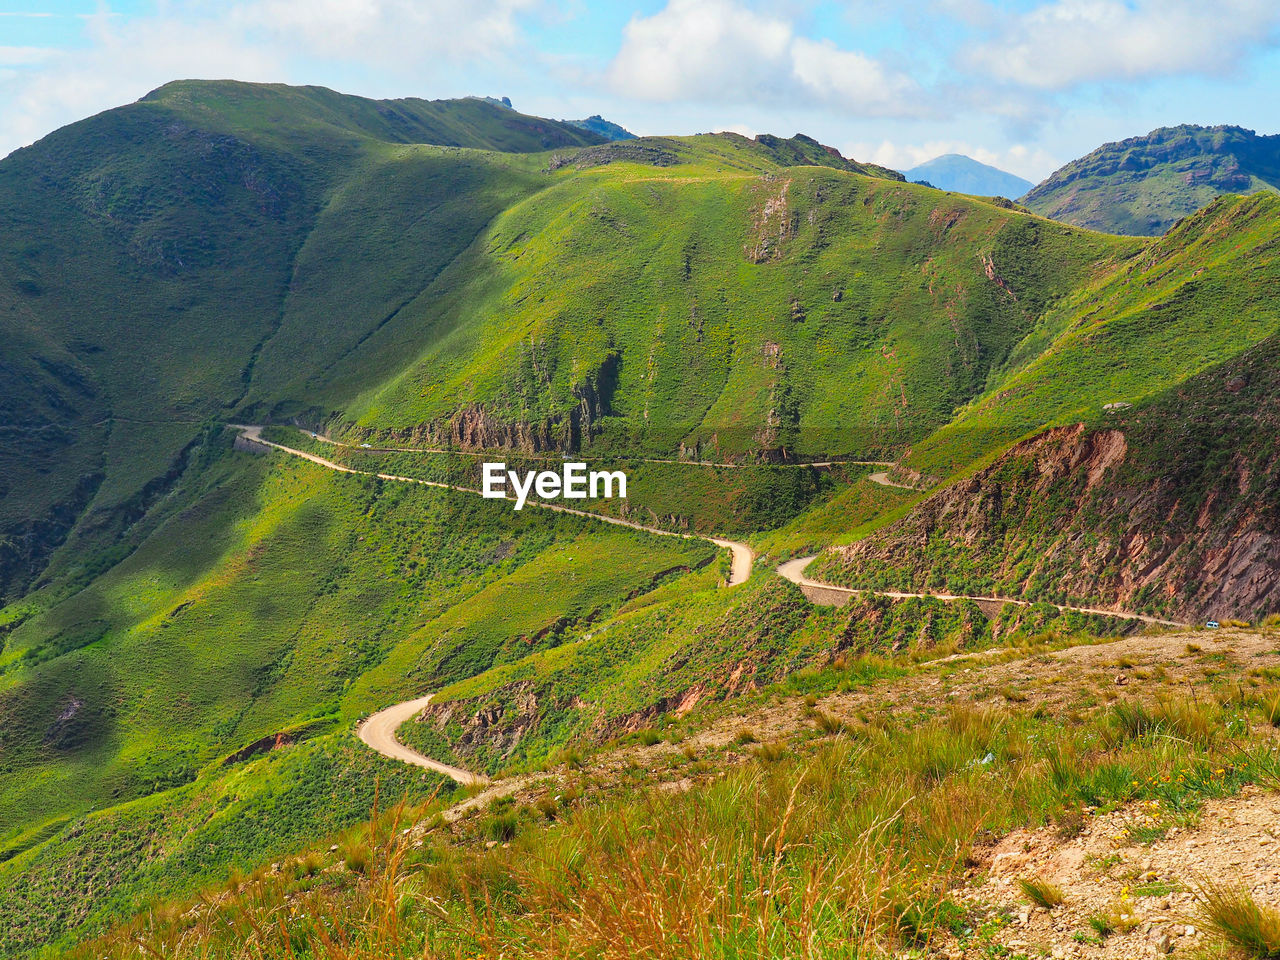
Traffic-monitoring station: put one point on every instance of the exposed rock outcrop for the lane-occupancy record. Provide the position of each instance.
(1175, 509)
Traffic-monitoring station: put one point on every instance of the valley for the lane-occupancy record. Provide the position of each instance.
(932, 461)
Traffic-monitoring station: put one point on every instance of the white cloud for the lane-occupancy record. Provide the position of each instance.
(1032, 163)
(848, 76)
(1069, 43)
(22, 56)
(404, 41)
(121, 65)
(387, 32)
(721, 50)
(708, 49)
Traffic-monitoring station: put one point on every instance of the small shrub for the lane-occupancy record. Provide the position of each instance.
(307, 865)
(746, 736)
(1041, 892)
(1272, 711)
(570, 757)
(648, 737)
(689, 752)
(1013, 695)
(548, 807)
(355, 854)
(1101, 924)
(1070, 823)
(1121, 916)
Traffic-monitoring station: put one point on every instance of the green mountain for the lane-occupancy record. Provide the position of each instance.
(1143, 185)
(605, 128)
(191, 631)
(954, 171)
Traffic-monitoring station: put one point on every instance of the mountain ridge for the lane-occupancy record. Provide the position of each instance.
(193, 628)
(1145, 184)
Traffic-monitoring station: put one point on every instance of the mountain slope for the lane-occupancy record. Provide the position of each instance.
(1143, 185)
(226, 250)
(605, 128)
(194, 630)
(157, 248)
(1202, 294)
(954, 171)
(1171, 507)
(753, 312)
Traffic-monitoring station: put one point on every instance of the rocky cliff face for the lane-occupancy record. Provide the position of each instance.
(475, 427)
(1173, 508)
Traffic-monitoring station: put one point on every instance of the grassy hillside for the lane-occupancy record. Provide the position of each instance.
(1143, 185)
(455, 269)
(276, 602)
(722, 309)
(151, 253)
(190, 633)
(1182, 304)
(852, 811)
(1168, 507)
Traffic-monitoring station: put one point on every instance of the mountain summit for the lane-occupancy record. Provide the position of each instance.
(1143, 185)
(961, 174)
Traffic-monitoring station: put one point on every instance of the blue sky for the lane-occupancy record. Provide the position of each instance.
(1026, 84)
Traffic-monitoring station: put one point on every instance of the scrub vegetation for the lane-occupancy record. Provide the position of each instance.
(191, 629)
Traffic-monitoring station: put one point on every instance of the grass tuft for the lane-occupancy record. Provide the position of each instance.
(1240, 919)
(1041, 892)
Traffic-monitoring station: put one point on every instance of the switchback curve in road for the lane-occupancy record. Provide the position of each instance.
(379, 730)
(793, 570)
(882, 477)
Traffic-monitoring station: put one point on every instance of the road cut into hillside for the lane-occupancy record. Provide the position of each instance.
(741, 555)
(828, 595)
(729, 465)
(882, 477)
(379, 730)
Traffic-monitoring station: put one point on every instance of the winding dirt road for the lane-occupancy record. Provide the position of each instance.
(793, 570)
(882, 477)
(741, 554)
(688, 463)
(379, 730)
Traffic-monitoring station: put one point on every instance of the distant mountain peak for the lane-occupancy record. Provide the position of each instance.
(961, 174)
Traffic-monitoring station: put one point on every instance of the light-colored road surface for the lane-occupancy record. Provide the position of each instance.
(882, 477)
(688, 463)
(379, 732)
(742, 555)
(793, 570)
